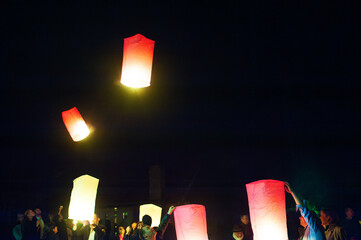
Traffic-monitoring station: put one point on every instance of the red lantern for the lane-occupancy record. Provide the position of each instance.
(191, 222)
(267, 207)
(137, 61)
(75, 124)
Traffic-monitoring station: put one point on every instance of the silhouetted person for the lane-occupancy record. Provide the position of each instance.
(351, 225)
(29, 227)
(94, 231)
(333, 231)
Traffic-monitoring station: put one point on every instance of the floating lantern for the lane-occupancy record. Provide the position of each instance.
(75, 124)
(190, 222)
(267, 207)
(153, 211)
(137, 61)
(83, 196)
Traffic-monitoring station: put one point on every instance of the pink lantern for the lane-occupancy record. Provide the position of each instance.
(267, 207)
(75, 124)
(190, 222)
(137, 61)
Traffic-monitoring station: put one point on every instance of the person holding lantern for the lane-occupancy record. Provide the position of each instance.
(309, 219)
(149, 233)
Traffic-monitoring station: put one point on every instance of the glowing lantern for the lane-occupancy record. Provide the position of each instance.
(153, 211)
(190, 222)
(267, 207)
(75, 124)
(83, 196)
(137, 61)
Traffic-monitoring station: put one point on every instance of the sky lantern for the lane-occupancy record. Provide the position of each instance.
(137, 61)
(267, 207)
(153, 211)
(83, 196)
(191, 222)
(75, 124)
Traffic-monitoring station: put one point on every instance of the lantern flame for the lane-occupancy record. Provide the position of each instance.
(137, 61)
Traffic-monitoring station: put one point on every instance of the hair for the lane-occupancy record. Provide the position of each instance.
(332, 214)
(147, 220)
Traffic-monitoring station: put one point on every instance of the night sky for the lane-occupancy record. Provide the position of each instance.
(241, 91)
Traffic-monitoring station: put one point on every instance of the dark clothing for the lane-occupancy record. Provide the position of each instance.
(351, 227)
(99, 232)
(162, 227)
(29, 229)
(248, 233)
(52, 237)
(62, 232)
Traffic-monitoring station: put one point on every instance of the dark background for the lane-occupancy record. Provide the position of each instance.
(241, 91)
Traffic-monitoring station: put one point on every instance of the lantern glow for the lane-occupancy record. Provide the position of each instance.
(153, 211)
(75, 124)
(137, 61)
(83, 196)
(191, 222)
(267, 207)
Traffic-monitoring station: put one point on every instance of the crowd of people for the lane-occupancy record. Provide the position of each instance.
(31, 226)
(325, 226)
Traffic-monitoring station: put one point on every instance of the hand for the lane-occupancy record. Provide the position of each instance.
(171, 210)
(288, 188)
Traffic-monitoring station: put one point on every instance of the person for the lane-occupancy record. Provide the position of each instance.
(351, 225)
(94, 231)
(314, 229)
(30, 226)
(238, 232)
(329, 220)
(149, 233)
(121, 231)
(245, 224)
(61, 225)
(37, 212)
(17, 234)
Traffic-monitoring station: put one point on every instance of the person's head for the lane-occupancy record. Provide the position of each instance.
(148, 233)
(134, 225)
(302, 221)
(20, 217)
(29, 214)
(121, 231)
(328, 216)
(37, 212)
(245, 219)
(238, 232)
(147, 220)
(96, 219)
(349, 213)
(140, 225)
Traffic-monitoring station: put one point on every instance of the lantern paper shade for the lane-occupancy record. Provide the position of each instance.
(137, 61)
(83, 196)
(75, 124)
(190, 222)
(153, 211)
(267, 207)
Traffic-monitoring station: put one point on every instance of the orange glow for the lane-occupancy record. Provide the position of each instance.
(137, 61)
(267, 207)
(153, 211)
(191, 222)
(75, 124)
